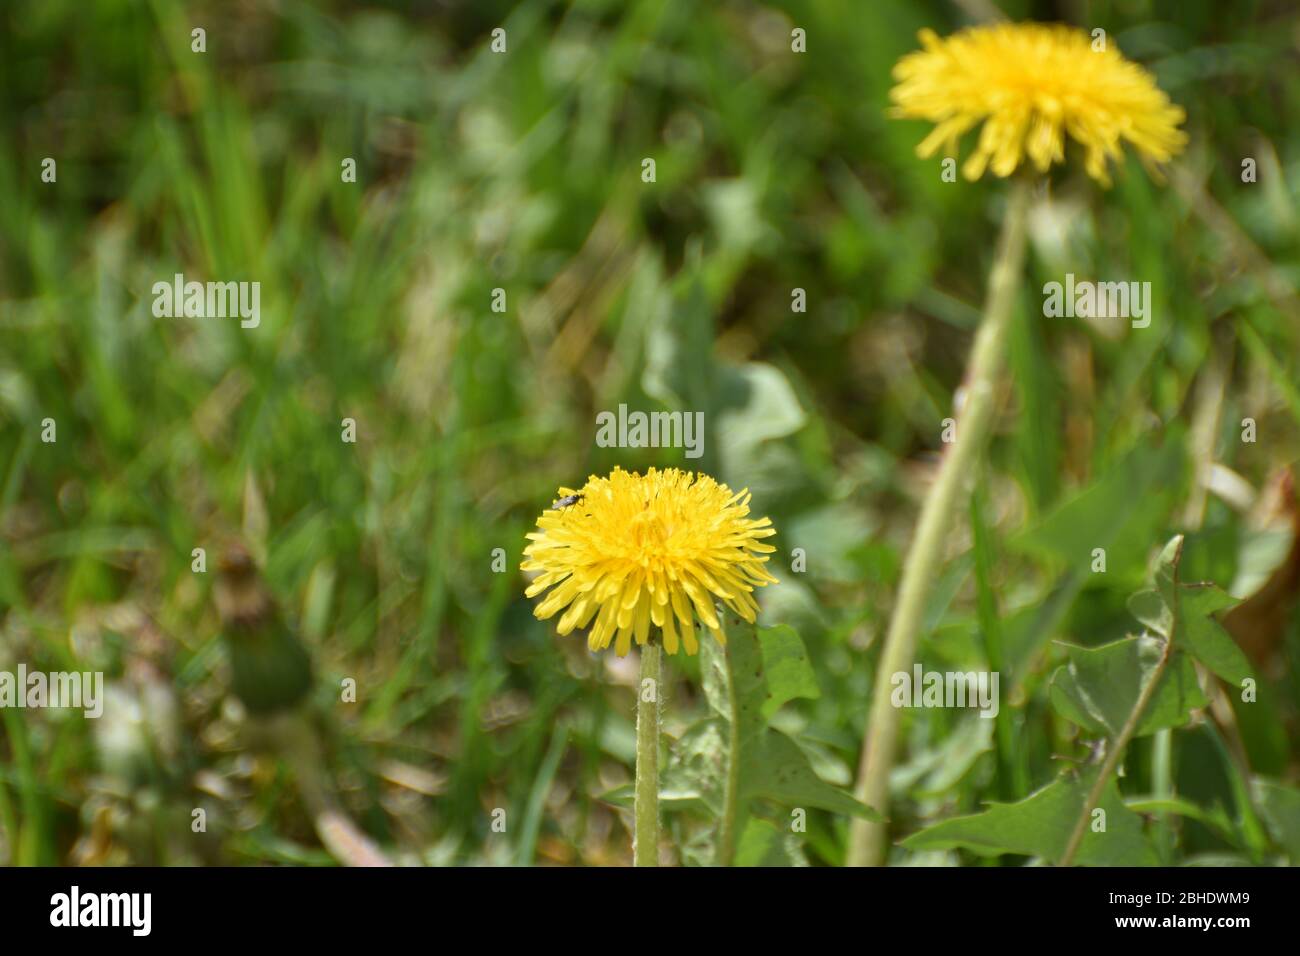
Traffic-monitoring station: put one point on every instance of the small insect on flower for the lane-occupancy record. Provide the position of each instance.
(648, 551)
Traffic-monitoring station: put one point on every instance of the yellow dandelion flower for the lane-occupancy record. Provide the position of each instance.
(1030, 84)
(636, 552)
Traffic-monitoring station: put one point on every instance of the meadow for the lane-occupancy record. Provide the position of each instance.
(462, 266)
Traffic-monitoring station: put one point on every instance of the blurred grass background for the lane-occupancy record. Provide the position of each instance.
(522, 171)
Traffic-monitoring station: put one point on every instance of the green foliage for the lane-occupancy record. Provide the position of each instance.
(1280, 807)
(1118, 513)
(736, 767)
(1120, 691)
(1039, 825)
(1099, 686)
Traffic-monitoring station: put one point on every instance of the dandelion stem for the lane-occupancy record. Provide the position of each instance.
(726, 849)
(645, 839)
(973, 423)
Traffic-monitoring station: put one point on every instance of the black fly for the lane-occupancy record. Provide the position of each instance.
(567, 501)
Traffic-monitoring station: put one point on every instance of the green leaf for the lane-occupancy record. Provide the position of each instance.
(1229, 775)
(1040, 825)
(1205, 639)
(787, 668)
(1119, 513)
(780, 771)
(734, 683)
(1280, 808)
(622, 796)
(1263, 732)
(758, 405)
(1216, 819)
(1190, 609)
(939, 769)
(1166, 569)
(1122, 506)
(763, 844)
(840, 530)
(679, 367)
(696, 769)
(758, 671)
(1099, 687)
(671, 797)
(1150, 608)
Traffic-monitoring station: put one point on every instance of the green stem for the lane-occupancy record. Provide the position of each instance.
(1115, 748)
(1162, 777)
(726, 849)
(991, 626)
(973, 423)
(1114, 752)
(645, 840)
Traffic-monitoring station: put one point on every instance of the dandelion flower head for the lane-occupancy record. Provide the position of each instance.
(636, 552)
(1031, 84)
